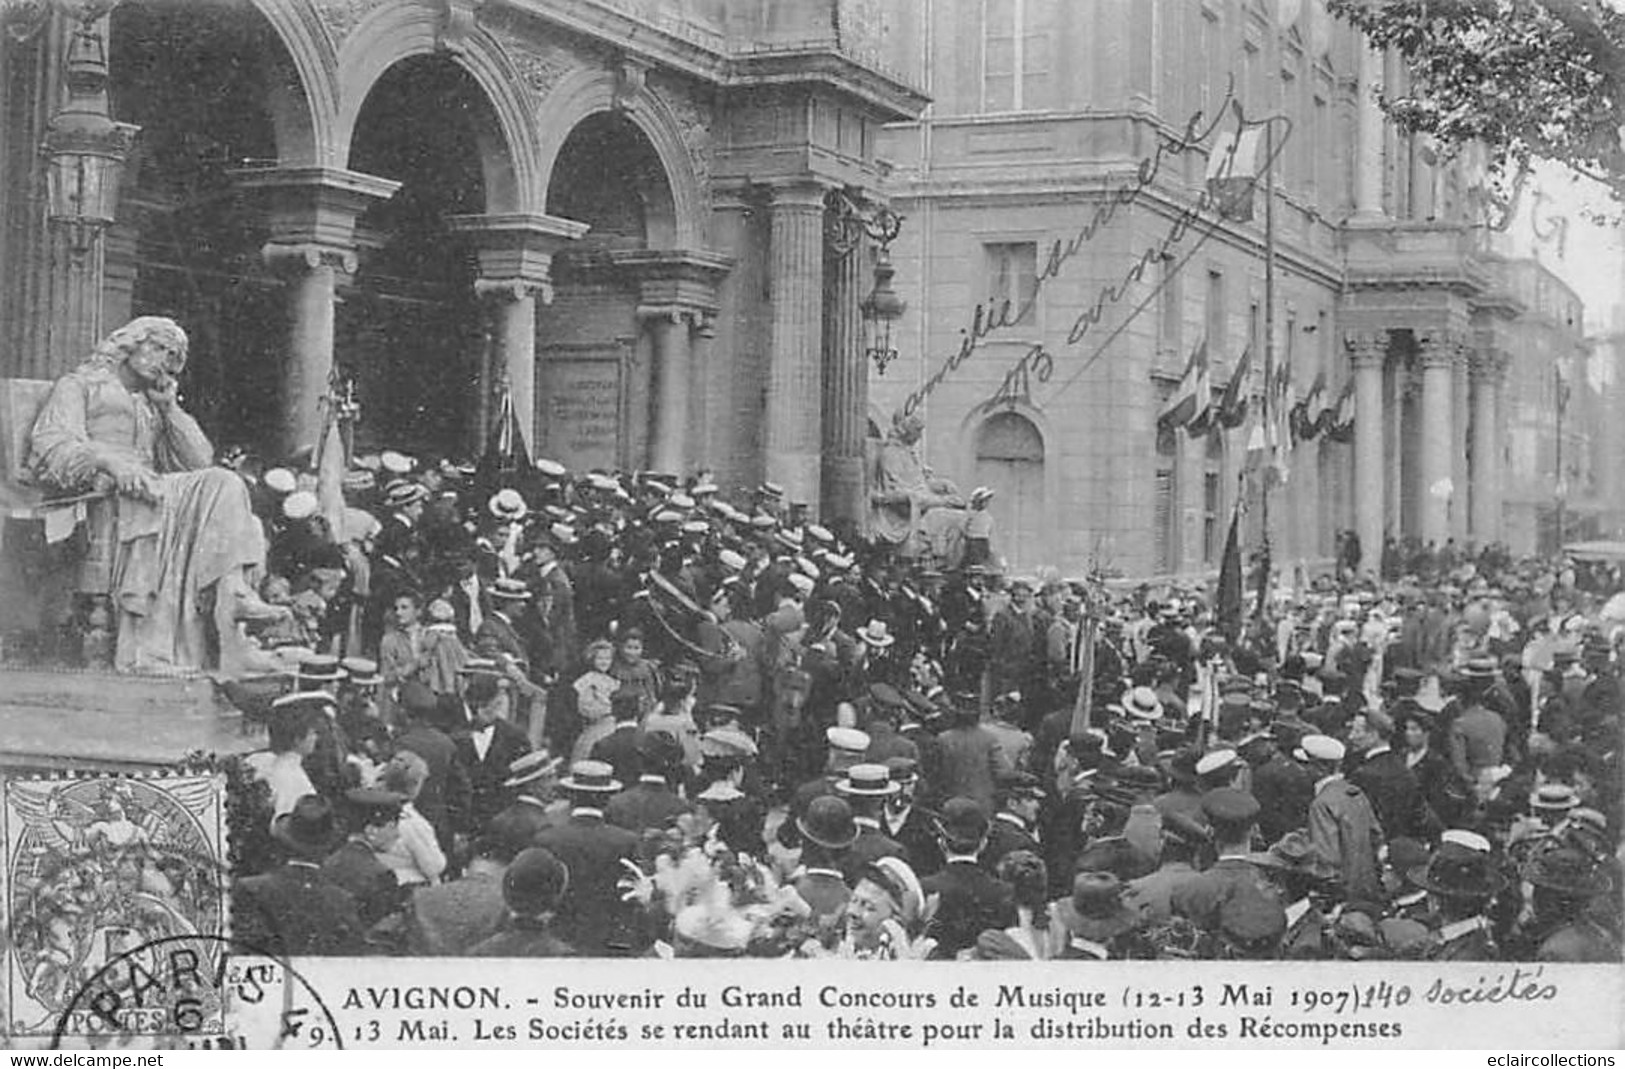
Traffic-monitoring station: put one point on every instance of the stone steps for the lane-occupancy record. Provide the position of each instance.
(73, 720)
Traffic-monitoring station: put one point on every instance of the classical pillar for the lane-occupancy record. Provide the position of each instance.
(845, 384)
(512, 304)
(1368, 171)
(312, 271)
(1396, 386)
(312, 225)
(1488, 370)
(1367, 353)
(1458, 444)
(1438, 357)
(515, 252)
(791, 430)
(672, 373)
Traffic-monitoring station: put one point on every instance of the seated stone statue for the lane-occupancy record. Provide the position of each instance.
(904, 490)
(172, 540)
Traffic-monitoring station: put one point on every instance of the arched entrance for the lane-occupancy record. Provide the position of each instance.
(409, 330)
(1010, 461)
(203, 82)
(594, 393)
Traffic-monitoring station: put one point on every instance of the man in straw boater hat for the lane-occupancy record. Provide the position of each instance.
(971, 901)
(594, 917)
(866, 788)
(1476, 739)
(294, 909)
(1461, 878)
(533, 785)
(532, 888)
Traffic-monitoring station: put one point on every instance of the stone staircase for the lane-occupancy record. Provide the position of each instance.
(87, 720)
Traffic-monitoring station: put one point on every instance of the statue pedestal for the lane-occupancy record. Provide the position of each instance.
(68, 720)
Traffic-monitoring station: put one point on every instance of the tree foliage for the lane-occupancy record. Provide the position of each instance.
(1527, 79)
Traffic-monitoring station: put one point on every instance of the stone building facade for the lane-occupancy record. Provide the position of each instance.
(615, 210)
(1062, 145)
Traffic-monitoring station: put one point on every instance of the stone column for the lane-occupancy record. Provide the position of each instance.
(515, 252)
(512, 304)
(792, 427)
(672, 373)
(1438, 358)
(845, 385)
(1488, 371)
(1367, 353)
(1368, 170)
(1458, 444)
(312, 270)
(312, 223)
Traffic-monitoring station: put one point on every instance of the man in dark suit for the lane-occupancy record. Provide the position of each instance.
(619, 749)
(972, 759)
(1015, 825)
(374, 817)
(295, 909)
(1234, 882)
(593, 916)
(499, 633)
(489, 746)
(909, 824)
(970, 901)
(866, 788)
(1386, 781)
(650, 802)
(1283, 787)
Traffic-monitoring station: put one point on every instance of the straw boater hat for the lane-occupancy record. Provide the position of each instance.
(875, 633)
(362, 671)
(594, 777)
(980, 495)
(509, 589)
(508, 506)
(320, 668)
(867, 781)
(552, 468)
(531, 767)
(300, 505)
(1142, 703)
(403, 493)
(281, 480)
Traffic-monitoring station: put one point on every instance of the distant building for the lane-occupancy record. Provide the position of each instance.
(1043, 112)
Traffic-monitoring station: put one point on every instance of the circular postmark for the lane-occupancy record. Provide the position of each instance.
(198, 991)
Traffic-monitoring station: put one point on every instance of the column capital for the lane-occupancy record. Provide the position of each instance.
(299, 256)
(518, 246)
(675, 282)
(1367, 349)
(797, 194)
(509, 290)
(1489, 365)
(1443, 348)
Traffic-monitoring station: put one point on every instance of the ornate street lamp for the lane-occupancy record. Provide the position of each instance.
(849, 219)
(84, 148)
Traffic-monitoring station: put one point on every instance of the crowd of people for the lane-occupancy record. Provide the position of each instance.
(607, 714)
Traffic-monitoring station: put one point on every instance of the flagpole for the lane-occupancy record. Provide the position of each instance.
(1269, 356)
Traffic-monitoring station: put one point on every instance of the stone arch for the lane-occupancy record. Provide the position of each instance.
(586, 92)
(304, 115)
(394, 33)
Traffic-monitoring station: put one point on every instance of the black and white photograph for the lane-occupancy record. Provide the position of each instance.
(1126, 497)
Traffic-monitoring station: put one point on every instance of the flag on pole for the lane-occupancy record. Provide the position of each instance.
(1202, 421)
(1233, 404)
(1305, 415)
(1339, 420)
(1232, 172)
(506, 461)
(329, 460)
(1186, 401)
(1227, 608)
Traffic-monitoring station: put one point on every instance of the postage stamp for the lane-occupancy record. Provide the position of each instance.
(96, 868)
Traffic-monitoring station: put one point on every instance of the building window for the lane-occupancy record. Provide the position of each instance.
(1213, 500)
(1012, 275)
(1018, 45)
(1165, 502)
(1215, 312)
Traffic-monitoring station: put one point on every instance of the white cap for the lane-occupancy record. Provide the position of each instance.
(280, 480)
(299, 505)
(1322, 748)
(849, 739)
(1468, 840)
(1212, 762)
(395, 463)
(803, 585)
